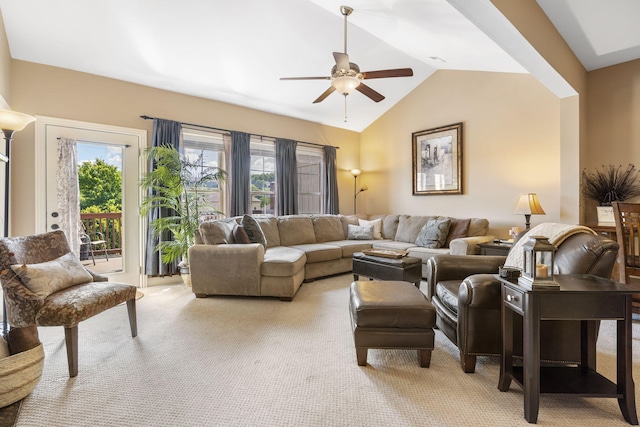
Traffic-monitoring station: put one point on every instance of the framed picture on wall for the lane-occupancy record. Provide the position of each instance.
(437, 160)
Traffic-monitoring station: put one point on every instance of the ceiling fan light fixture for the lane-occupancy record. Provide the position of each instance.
(345, 84)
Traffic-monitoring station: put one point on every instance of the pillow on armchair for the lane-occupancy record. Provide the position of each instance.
(46, 278)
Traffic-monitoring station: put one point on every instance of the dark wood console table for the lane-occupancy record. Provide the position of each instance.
(580, 297)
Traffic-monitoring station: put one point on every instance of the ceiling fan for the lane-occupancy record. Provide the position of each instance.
(346, 76)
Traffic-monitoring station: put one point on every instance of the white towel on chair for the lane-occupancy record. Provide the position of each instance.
(555, 232)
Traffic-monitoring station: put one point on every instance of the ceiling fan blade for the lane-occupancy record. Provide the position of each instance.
(380, 74)
(324, 94)
(366, 90)
(342, 61)
(305, 78)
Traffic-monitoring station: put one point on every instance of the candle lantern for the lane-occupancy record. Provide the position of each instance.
(538, 263)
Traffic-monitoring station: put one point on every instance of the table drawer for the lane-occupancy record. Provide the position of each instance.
(513, 298)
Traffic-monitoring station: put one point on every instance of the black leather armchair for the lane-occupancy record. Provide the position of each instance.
(467, 299)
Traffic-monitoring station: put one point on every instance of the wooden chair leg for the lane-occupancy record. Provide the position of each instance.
(133, 321)
(424, 356)
(361, 354)
(71, 341)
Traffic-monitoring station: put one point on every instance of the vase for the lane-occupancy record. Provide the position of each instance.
(605, 215)
(185, 275)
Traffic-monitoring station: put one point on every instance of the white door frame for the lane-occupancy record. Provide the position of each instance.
(42, 123)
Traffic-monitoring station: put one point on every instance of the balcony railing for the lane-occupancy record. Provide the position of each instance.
(109, 224)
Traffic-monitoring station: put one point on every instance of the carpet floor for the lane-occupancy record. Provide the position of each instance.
(231, 361)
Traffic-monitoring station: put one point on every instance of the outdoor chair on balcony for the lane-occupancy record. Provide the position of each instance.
(45, 284)
(95, 242)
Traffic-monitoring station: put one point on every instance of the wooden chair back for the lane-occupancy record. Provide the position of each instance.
(627, 217)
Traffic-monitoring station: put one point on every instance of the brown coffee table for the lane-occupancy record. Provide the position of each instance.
(407, 269)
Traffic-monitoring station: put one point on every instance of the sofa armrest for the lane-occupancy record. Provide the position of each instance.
(459, 267)
(232, 269)
(468, 245)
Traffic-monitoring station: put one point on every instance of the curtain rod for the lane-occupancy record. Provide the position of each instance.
(226, 130)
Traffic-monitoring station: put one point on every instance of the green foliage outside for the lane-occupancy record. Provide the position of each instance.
(100, 187)
(262, 182)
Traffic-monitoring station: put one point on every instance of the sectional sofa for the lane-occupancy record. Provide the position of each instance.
(305, 247)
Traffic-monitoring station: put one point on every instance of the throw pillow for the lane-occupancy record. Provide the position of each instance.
(240, 235)
(48, 277)
(253, 230)
(360, 232)
(434, 233)
(216, 232)
(377, 227)
(458, 228)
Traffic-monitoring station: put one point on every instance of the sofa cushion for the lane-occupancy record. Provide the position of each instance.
(434, 233)
(377, 226)
(349, 247)
(359, 232)
(478, 227)
(317, 252)
(253, 230)
(296, 230)
(216, 232)
(458, 229)
(327, 228)
(390, 226)
(52, 276)
(281, 261)
(409, 226)
(240, 235)
(269, 226)
(392, 244)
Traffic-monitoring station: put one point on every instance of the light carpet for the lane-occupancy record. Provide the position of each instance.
(231, 361)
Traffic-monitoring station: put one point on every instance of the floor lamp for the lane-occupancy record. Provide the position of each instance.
(10, 122)
(356, 173)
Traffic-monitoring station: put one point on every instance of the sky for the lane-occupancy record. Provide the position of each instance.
(111, 154)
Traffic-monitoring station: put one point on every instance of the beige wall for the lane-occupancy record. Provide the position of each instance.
(510, 146)
(533, 24)
(5, 68)
(613, 118)
(55, 92)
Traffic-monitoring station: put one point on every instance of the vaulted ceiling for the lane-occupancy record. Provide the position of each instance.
(236, 51)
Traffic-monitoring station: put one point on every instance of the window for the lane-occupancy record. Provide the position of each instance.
(263, 176)
(310, 169)
(206, 149)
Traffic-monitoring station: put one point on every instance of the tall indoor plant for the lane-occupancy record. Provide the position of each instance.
(178, 183)
(609, 184)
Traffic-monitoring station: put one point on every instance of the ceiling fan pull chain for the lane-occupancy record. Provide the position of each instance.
(345, 108)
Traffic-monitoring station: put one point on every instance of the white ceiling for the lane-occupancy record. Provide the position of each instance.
(236, 51)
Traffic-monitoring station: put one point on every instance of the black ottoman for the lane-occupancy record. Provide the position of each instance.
(407, 269)
(391, 314)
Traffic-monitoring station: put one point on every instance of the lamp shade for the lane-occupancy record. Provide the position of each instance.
(345, 84)
(355, 172)
(11, 120)
(528, 204)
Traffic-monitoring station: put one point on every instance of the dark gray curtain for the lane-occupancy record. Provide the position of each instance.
(286, 177)
(331, 203)
(165, 132)
(240, 174)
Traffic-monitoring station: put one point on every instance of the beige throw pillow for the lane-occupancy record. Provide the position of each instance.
(48, 277)
(377, 226)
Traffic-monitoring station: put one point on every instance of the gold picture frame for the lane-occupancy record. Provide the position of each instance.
(437, 160)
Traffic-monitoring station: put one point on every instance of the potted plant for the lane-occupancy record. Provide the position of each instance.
(609, 184)
(178, 183)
